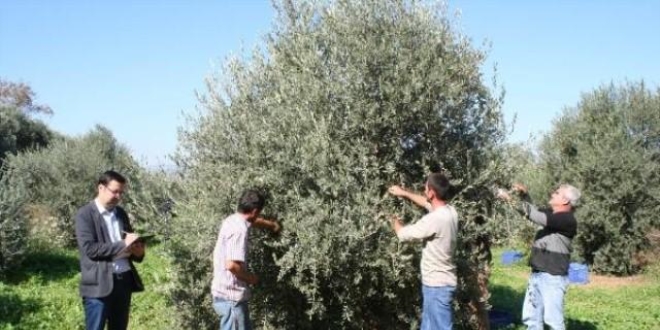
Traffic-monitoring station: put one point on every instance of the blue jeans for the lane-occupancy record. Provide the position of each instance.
(544, 301)
(233, 315)
(437, 307)
(113, 309)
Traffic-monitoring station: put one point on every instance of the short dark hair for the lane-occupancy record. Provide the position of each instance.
(251, 199)
(109, 176)
(440, 185)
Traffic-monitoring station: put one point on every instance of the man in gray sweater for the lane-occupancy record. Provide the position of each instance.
(551, 255)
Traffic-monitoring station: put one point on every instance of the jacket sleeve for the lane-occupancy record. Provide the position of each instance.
(526, 208)
(534, 214)
(128, 228)
(88, 241)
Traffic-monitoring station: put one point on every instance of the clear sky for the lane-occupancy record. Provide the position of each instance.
(134, 66)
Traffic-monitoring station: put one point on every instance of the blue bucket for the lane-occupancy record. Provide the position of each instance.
(499, 318)
(511, 257)
(578, 273)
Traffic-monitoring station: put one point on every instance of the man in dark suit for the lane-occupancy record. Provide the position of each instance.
(106, 260)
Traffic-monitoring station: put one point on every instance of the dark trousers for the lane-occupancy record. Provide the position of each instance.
(112, 309)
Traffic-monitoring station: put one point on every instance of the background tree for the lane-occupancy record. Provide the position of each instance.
(13, 226)
(21, 97)
(19, 130)
(45, 177)
(57, 180)
(609, 146)
(345, 99)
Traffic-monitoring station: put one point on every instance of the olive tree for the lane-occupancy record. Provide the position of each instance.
(609, 146)
(344, 99)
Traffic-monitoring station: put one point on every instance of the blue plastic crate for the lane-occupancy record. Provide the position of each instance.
(578, 273)
(511, 257)
(499, 319)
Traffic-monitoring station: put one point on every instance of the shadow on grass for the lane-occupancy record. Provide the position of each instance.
(13, 308)
(48, 265)
(580, 325)
(508, 300)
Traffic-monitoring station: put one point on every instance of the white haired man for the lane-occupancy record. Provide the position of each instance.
(551, 255)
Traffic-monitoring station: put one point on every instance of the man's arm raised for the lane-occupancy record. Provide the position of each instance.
(271, 225)
(525, 207)
(418, 199)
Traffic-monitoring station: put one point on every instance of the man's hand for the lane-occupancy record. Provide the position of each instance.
(519, 188)
(137, 249)
(506, 196)
(503, 195)
(271, 225)
(252, 279)
(130, 238)
(396, 191)
(396, 223)
(238, 269)
(419, 200)
(276, 227)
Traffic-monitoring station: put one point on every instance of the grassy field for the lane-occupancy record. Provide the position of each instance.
(610, 303)
(43, 294)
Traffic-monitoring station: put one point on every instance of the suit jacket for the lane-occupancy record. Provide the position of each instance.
(97, 250)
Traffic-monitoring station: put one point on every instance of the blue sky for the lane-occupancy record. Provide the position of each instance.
(134, 66)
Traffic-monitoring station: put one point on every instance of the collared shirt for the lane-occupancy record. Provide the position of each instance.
(232, 244)
(438, 230)
(115, 228)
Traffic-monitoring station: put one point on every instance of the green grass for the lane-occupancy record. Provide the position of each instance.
(625, 304)
(43, 293)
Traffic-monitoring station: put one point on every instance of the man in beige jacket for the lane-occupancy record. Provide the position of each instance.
(437, 230)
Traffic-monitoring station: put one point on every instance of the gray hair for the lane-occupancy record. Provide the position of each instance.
(572, 194)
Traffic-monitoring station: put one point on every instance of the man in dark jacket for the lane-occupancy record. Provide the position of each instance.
(551, 255)
(108, 277)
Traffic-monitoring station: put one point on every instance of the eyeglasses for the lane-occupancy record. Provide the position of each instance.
(117, 192)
